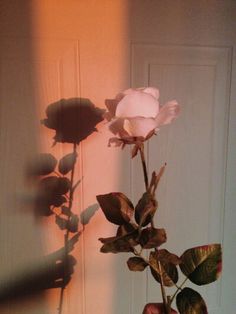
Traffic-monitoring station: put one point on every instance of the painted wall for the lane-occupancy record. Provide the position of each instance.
(94, 49)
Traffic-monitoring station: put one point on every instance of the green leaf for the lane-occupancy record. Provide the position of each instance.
(136, 264)
(126, 229)
(129, 231)
(67, 163)
(159, 265)
(115, 245)
(152, 237)
(118, 244)
(117, 208)
(156, 308)
(166, 257)
(189, 301)
(145, 209)
(202, 264)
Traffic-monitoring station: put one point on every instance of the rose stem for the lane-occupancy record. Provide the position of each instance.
(145, 173)
(66, 236)
(177, 290)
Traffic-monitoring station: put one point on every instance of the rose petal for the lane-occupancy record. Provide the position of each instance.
(139, 127)
(137, 104)
(167, 113)
(148, 90)
(152, 91)
(117, 127)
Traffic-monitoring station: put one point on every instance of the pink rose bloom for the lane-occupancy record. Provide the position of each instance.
(135, 114)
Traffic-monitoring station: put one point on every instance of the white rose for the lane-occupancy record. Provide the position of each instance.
(135, 114)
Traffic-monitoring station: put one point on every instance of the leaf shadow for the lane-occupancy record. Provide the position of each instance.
(88, 213)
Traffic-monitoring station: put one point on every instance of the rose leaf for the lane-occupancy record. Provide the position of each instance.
(145, 209)
(117, 208)
(168, 270)
(126, 229)
(202, 264)
(119, 244)
(190, 301)
(152, 237)
(166, 257)
(136, 264)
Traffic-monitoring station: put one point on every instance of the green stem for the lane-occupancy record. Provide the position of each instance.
(163, 292)
(145, 174)
(178, 288)
(66, 235)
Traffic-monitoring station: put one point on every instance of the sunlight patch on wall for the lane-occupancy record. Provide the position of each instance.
(81, 50)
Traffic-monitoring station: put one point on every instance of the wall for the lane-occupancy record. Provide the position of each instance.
(85, 49)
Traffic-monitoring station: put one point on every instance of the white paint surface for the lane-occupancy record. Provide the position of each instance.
(86, 48)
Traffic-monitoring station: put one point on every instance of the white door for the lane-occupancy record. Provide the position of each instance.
(85, 49)
(186, 49)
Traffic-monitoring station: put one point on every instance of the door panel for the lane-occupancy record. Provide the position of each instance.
(191, 194)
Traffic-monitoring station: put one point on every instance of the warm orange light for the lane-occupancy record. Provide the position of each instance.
(82, 50)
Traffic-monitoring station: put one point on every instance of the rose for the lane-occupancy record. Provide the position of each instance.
(135, 114)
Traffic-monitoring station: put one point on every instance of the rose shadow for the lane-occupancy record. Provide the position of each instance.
(73, 119)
